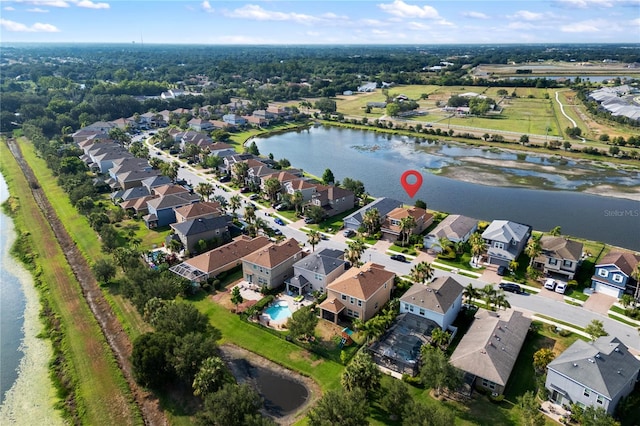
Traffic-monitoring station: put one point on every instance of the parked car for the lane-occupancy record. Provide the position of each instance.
(561, 287)
(502, 270)
(278, 221)
(398, 257)
(349, 233)
(224, 178)
(254, 196)
(513, 288)
(280, 207)
(244, 190)
(277, 232)
(550, 284)
(308, 220)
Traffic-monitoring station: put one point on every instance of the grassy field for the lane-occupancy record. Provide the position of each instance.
(101, 391)
(86, 239)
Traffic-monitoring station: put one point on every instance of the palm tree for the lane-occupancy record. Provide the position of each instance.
(406, 228)
(234, 204)
(371, 220)
(439, 337)
(488, 294)
(422, 272)
(627, 300)
(635, 274)
(222, 201)
(477, 246)
(205, 189)
(500, 300)
(272, 187)
(314, 238)
(236, 298)
(354, 251)
(297, 199)
(513, 265)
(444, 243)
(470, 292)
(249, 213)
(555, 231)
(240, 172)
(533, 249)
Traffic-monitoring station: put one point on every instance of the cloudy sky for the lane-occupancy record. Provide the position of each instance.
(321, 22)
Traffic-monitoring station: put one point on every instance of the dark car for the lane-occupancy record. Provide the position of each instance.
(502, 270)
(225, 178)
(244, 190)
(513, 288)
(308, 220)
(399, 257)
(278, 221)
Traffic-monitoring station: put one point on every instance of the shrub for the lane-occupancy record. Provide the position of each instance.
(264, 302)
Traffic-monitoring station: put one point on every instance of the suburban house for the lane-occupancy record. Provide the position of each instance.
(559, 256)
(598, 373)
(137, 205)
(156, 181)
(333, 199)
(391, 229)
(192, 231)
(490, 348)
(234, 119)
(358, 293)
(300, 185)
(127, 165)
(315, 271)
(199, 125)
(613, 274)
(283, 176)
(271, 265)
(201, 210)
(224, 258)
(383, 204)
(161, 209)
(440, 301)
(455, 228)
(131, 178)
(130, 194)
(505, 241)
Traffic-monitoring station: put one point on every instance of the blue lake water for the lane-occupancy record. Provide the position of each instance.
(378, 160)
(12, 306)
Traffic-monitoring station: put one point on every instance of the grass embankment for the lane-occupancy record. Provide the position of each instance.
(91, 387)
(84, 236)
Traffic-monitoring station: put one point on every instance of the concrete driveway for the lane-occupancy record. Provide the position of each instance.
(549, 294)
(600, 303)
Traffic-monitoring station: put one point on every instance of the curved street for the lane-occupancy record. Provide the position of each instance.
(529, 303)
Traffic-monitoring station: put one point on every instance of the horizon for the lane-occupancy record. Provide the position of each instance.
(349, 23)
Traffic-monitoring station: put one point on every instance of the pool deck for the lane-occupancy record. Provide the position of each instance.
(251, 292)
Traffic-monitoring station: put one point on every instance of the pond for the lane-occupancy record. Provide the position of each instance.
(539, 190)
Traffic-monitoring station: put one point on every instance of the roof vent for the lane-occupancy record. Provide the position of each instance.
(619, 371)
(617, 349)
(591, 360)
(597, 355)
(575, 365)
(503, 348)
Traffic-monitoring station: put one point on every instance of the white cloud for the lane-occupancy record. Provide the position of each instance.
(592, 26)
(22, 28)
(47, 3)
(255, 12)
(636, 22)
(206, 6)
(584, 4)
(475, 15)
(418, 26)
(518, 25)
(242, 39)
(527, 16)
(37, 10)
(404, 10)
(9, 8)
(88, 4)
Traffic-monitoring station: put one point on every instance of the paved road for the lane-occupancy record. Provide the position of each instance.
(532, 303)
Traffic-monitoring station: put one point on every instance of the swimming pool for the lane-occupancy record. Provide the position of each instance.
(279, 311)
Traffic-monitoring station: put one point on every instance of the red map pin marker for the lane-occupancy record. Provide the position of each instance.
(411, 188)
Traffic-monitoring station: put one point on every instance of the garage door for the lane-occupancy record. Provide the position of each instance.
(605, 289)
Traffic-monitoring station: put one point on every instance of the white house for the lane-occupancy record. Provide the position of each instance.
(440, 301)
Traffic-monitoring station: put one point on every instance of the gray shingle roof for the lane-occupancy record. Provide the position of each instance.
(438, 296)
(454, 226)
(506, 231)
(383, 204)
(324, 262)
(604, 366)
(491, 346)
(201, 225)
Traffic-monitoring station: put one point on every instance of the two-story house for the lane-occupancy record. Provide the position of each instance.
(200, 125)
(358, 293)
(333, 199)
(455, 228)
(192, 231)
(162, 209)
(201, 210)
(303, 186)
(505, 240)
(315, 271)
(272, 265)
(614, 274)
(559, 256)
(597, 374)
(234, 119)
(440, 301)
(391, 225)
(383, 204)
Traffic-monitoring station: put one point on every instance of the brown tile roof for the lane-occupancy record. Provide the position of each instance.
(362, 282)
(282, 176)
(163, 190)
(332, 305)
(199, 209)
(274, 254)
(300, 184)
(230, 253)
(624, 260)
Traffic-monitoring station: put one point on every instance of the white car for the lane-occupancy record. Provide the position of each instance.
(561, 287)
(550, 284)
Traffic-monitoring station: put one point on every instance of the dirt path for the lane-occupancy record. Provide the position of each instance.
(111, 328)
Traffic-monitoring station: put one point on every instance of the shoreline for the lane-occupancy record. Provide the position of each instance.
(31, 398)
